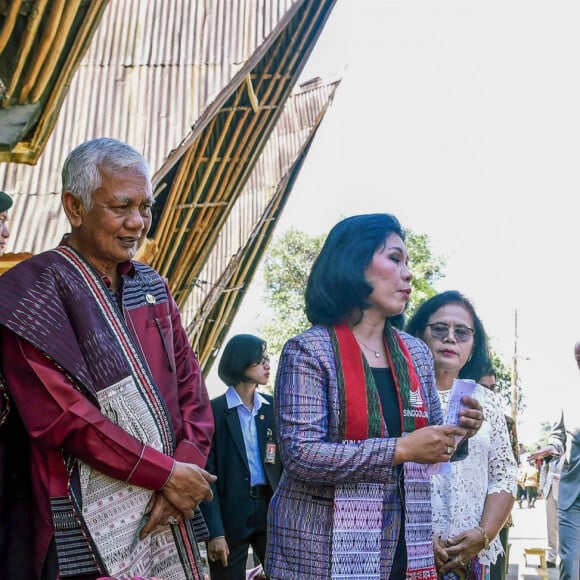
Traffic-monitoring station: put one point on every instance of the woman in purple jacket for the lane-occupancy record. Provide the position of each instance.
(358, 420)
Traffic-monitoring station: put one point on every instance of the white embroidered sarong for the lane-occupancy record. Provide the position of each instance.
(114, 511)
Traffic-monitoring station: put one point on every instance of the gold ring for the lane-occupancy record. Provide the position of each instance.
(172, 521)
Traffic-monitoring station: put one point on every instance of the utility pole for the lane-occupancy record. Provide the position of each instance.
(514, 409)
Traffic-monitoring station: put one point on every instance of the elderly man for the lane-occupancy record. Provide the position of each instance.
(5, 205)
(564, 440)
(105, 393)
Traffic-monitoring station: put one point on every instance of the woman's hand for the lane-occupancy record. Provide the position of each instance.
(471, 418)
(440, 550)
(433, 444)
(463, 548)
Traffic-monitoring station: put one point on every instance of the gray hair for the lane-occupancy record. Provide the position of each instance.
(81, 170)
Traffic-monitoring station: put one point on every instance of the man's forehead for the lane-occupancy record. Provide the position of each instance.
(126, 195)
(133, 197)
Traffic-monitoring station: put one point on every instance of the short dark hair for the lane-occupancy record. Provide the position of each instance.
(336, 284)
(241, 351)
(479, 362)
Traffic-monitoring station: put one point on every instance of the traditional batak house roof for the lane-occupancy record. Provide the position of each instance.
(207, 90)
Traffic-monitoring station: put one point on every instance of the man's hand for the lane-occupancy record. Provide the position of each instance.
(159, 512)
(471, 418)
(218, 550)
(544, 452)
(187, 487)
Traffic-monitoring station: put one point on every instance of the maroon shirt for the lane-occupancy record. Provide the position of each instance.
(56, 415)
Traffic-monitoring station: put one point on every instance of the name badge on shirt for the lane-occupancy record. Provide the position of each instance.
(270, 453)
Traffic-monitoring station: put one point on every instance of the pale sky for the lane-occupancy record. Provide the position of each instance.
(463, 119)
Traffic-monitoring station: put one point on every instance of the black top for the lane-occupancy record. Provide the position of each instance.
(389, 400)
(390, 404)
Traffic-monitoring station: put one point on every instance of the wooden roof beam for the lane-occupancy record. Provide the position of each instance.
(9, 22)
(255, 104)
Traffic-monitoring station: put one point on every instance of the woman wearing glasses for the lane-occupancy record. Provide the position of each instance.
(472, 500)
(358, 419)
(245, 458)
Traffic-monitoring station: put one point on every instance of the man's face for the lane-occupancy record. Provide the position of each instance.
(118, 221)
(4, 231)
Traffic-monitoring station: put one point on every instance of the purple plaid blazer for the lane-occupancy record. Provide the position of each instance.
(307, 406)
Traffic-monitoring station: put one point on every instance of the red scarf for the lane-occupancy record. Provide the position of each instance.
(362, 417)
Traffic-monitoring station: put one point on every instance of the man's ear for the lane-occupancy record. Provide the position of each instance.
(73, 208)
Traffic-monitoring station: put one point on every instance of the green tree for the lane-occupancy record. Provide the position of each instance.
(426, 268)
(286, 268)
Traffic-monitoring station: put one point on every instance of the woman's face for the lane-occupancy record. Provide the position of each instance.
(449, 335)
(390, 278)
(259, 373)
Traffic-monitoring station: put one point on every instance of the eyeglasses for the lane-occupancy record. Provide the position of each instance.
(440, 330)
(265, 360)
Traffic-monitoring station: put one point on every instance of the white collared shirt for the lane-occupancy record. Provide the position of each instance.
(248, 423)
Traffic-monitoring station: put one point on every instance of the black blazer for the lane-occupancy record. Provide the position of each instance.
(228, 512)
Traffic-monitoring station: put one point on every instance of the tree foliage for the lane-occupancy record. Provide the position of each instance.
(426, 268)
(286, 268)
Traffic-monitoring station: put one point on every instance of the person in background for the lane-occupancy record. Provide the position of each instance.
(549, 484)
(531, 482)
(521, 491)
(471, 501)
(564, 441)
(498, 570)
(244, 457)
(5, 205)
(358, 420)
(109, 423)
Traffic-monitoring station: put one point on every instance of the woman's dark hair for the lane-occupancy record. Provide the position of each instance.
(337, 285)
(479, 361)
(241, 351)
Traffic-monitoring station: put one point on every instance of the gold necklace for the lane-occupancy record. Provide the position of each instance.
(376, 352)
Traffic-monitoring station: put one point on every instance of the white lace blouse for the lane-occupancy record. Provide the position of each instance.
(458, 496)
